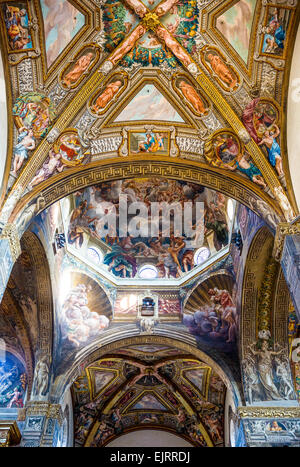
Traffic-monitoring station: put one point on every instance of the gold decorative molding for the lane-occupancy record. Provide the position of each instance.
(9, 433)
(269, 412)
(34, 248)
(150, 21)
(117, 168)
(10, 233)
(283, 229)
(266, 295)
(46, 409)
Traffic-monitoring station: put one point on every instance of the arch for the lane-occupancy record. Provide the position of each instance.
(258, 255)
(141, 428)
(33, 246)
(115, 169)
(96, 351)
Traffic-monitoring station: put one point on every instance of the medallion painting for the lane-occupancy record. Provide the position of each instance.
(224, 149)
(170, 255)
(235, 25)
(62, 21)
(17, 23)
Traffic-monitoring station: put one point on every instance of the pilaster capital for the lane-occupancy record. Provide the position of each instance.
(283, 229)
(10, 233)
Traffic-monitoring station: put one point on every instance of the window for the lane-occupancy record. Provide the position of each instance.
(201, 255)
(148, 271)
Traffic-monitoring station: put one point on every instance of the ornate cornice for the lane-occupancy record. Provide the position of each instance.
(269, 412)
(283, 229)
(10, 233)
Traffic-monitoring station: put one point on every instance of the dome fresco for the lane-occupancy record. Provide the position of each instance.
(169, 206)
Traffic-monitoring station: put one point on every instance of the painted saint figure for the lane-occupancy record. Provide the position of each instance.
(192, 96)
(109, 92)
(222, 70)
(78, 69)
(265, 369)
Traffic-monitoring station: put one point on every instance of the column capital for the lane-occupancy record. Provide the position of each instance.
(283, 229)
(10, 233)
(45, 408)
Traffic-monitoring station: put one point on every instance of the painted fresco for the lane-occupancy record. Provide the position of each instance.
(73, 74)
(236, 25)
(224, 149)
(149, 104)
(220, 68)
(62, 21)
(118, 22)
(216, 322)
(196, 377)
(169, 307)
(149, 142)
(192, 96)
(182, 22)
(17, 24)
(22, 286)
(148, 402)
(261, 118)
(109, 93)
(155, 406)
(81, 318)
(172, 256)
(67, 152)
(275, 31)
(33, 114)
(101, 379)
(12, 382)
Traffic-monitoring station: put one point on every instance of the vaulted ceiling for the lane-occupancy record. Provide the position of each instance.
(199, 73)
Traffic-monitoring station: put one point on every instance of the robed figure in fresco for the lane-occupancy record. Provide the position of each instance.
(265, 369)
